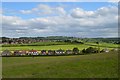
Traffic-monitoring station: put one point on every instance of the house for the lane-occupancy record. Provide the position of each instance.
(33, 52)
(6, 53)
(69, 51)
(105, 50)
(51, 52)
(43, 52)
(17, 53)
(59, 52)
(115, 49)
(22, 53)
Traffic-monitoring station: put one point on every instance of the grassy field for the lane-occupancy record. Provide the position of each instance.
(56, 45)
(51, 47)
(104, 65)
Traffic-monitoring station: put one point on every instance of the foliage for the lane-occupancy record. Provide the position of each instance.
(75, 50)
(90, 50)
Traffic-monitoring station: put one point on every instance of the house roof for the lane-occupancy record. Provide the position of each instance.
(16, 51)
(69, 50)
(22, 52)
(60, 50)
(43, 51)
(33, 51)
(50, 50)
(6, 52)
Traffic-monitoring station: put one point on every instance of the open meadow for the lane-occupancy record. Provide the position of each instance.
(103, 65)
(56, 45)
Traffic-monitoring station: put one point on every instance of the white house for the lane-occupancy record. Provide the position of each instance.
(59, 52)
(33, 52)
(105, 50)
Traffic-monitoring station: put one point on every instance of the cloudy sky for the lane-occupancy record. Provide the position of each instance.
(78, 19)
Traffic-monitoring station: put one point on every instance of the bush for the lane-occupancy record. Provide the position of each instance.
(90, 50)
(75, 50)
(83, 51)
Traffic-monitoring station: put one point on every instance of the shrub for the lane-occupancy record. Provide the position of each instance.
(90, 50)
(75, 50)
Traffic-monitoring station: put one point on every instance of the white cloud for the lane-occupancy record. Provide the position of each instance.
(102, 22)
(79, 13)
(103, 11)
(43, 9)
(60, 10)
(25, 11)
(113, 0)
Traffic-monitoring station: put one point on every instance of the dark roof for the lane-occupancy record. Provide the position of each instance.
(60, 50)
(6, 52)
(43, 51)
(16, 51)
(22, 52)
(68, 50)
(33, 51)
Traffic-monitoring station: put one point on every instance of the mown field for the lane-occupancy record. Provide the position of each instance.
(104, 65)
(56, 45)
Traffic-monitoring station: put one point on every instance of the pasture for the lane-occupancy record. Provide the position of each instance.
(56, 45)
(104, 65)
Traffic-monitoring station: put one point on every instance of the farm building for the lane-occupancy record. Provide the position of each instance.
(105, 50)
(33, 52)
(51, 52)
(69, 51)
(43, 52)
(6, 53)
(59, 52)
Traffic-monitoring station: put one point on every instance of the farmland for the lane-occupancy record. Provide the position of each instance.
(56, 45)
(104, 65)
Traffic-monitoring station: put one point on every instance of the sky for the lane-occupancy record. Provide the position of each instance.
(76, 19)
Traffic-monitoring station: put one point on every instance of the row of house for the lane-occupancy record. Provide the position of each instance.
(35, 52)
(44, 52)
(21, 40)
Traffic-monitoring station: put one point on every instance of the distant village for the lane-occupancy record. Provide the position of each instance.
(22, 40)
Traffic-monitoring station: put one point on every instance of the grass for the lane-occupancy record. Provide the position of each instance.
(77, 66)
(56, 45)
(36, 44)
(109, 45)
(51, 47)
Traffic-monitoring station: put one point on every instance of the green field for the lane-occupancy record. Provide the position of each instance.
(56, 45)
(104, 65)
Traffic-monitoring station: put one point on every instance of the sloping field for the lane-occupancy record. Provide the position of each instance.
(104, 65)
(56, 45)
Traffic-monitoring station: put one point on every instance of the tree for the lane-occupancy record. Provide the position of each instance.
(98, 47)
(75, 50)
(91, 50)
(83, 51)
